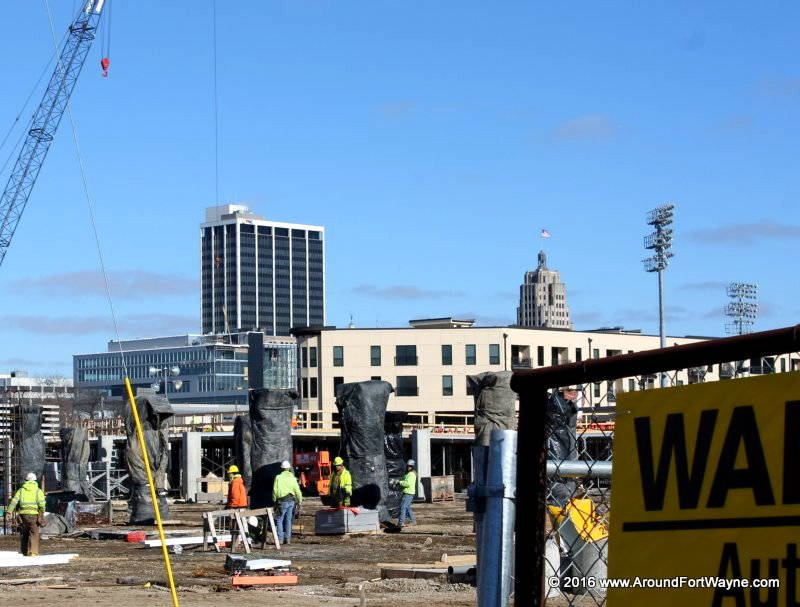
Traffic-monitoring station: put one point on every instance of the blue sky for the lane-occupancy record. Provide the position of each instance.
(433, 140)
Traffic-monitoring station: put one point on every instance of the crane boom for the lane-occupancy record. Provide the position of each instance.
(46, 119)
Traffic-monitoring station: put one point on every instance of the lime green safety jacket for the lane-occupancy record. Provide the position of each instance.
(342, 483)
(285, 485)
(29, 498)
(409, 483)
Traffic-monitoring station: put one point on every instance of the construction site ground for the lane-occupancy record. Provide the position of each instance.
(330, 568)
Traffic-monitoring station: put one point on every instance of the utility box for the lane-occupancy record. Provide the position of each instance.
(439, 488)
(329, 521)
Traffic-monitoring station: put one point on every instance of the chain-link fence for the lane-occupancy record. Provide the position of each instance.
(564, 503)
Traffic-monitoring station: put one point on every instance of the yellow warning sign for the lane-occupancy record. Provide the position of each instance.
(706, 488)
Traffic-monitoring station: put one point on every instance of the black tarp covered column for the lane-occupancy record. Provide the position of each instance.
(242, 444)
(362, 408)
(271, 426)
(28, 441)
(562, 420)
(395, 456)
(494, 404)
(154, 413)
(75, 460)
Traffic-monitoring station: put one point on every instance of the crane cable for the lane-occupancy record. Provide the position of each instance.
(107, 283)
(216, 104)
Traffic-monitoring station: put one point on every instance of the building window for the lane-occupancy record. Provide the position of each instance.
(305, 357)
(447, 385)
(405, 356)
(597, 390)
(338, 356)
(783, 365)
(312, 357)
(578, 355)
(337, 381)
(406, 385)
(447, 354)
(313, 387)
(375, 356)
(305, 387)
(469, 388)
(540, 355)
(375, 378)
(469, 354)
(494, 354)
(631, 384)
(596, 353)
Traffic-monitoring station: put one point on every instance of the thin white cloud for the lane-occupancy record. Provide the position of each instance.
(746, 233)
(586, 127)
(132, 283)
(403, 292)
(134, 325)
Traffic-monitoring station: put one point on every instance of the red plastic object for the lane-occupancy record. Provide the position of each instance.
(105, 63)
(136, 536)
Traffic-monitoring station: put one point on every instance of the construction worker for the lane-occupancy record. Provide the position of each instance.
(285, 495)
(409, 486)
(237, 493)
(341, 487)
(30, 501)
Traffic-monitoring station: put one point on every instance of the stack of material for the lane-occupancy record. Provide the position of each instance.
(273, 571)
(562, 419)
(154, 413)
(337, 521)
(362, 408)
(454, 568)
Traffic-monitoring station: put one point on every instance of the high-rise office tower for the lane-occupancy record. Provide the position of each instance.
(259, 274)
(543, 299)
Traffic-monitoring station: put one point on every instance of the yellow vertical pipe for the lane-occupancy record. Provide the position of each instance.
(150, 482)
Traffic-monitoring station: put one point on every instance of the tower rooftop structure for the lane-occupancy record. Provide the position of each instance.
(543, 298)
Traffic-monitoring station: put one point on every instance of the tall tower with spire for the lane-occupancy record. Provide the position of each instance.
(543, 299)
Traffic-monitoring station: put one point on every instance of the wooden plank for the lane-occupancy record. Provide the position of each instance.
(183, 541)
(413, 573)
(258, 580)
(30, 580)
(15, 559)
(458, 559)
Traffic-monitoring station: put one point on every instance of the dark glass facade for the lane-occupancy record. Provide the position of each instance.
(264, 277)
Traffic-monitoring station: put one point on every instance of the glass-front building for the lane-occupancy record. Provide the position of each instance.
(258, 274)
(210, 369)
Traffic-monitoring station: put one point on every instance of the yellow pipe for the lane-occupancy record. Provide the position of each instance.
(150, 482)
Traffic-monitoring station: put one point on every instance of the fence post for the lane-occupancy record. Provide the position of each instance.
(531, 496)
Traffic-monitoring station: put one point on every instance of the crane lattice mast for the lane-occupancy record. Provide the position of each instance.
(46, 119)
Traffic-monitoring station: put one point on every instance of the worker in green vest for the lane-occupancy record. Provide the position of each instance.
(29, 500)
(341, 487)
(285, 495)
(409, 486)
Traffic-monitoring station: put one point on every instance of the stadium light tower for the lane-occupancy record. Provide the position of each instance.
(660, 242)
(742, 309)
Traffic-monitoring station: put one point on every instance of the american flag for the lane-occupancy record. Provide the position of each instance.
(545, 233)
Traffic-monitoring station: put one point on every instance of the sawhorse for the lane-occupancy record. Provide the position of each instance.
(238, 518)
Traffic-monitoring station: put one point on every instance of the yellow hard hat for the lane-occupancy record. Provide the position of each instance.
(234, 469)
(338, 461)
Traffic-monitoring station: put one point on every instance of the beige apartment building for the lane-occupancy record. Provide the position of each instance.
(428, 363)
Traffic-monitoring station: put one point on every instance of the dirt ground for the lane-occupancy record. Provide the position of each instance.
(330, 568)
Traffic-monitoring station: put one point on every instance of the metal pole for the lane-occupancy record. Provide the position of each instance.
(480, 457)
(494, 572)
(662, 337)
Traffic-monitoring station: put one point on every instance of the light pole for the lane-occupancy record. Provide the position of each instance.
(164, 373)
(742, 310)
(660, 242)
(505, 352)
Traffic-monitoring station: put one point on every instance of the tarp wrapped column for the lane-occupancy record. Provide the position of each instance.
(242, 444)
(271, 427)
(154, 413)
(75, 459)
(362, 408)
(28, 441)
(562, 419)
(395, 456)
(494, 404)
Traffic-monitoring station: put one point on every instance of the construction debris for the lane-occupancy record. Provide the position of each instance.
(257, 580)
(183, 541)
(236, 563)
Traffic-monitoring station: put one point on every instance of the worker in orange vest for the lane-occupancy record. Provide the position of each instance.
(237, 493)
